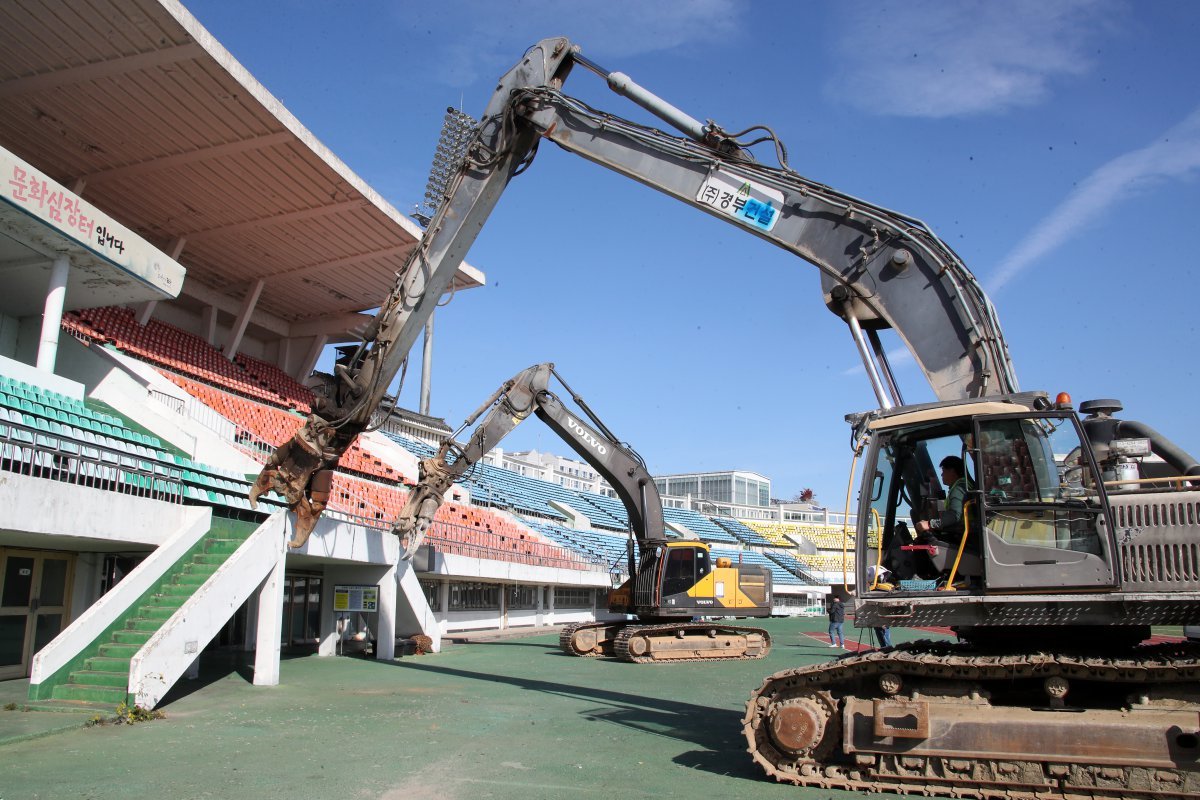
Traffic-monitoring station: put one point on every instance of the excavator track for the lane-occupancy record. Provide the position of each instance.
(589, 639)
(940, 718)
(671, 643)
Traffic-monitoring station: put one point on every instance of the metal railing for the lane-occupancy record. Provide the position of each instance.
(41, 454)
(172, 402)
(443, 541)
(449, 537)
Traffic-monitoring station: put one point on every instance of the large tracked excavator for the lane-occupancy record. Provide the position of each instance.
(675, 589)
(1062, 541)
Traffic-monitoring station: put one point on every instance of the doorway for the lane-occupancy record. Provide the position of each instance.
(301, 611)
(34, 598)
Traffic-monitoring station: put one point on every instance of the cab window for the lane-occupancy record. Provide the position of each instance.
(1035, 484)
(680, 572)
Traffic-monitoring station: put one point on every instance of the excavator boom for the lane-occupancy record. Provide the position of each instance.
(879, 268)
(496, 152)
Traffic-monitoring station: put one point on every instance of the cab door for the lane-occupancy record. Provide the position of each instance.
(1045, 519)
(34, 598)
(683, 589)
(679, 573)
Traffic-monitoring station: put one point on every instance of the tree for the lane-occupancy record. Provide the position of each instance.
(805, 496)
(802, 496)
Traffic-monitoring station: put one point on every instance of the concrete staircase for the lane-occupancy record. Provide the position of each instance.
(104, 676)
(140, 638)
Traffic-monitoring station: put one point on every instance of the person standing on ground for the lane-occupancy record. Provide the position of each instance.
(883, 636)
(837, 616)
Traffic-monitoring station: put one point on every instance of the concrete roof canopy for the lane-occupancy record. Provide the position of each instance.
(135, 106)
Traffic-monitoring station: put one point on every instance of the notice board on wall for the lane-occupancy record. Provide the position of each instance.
(349, 597)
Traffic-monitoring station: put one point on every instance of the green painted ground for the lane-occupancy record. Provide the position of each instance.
(512, 718)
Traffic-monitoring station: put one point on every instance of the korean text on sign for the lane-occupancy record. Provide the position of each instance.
(749, 203)
(59, 206)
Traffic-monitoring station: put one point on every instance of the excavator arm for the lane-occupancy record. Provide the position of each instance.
(343, 409)
(879, 269)
(524, 394)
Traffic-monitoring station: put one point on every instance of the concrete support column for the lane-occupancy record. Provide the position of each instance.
(385, 625)
(310, 360)
(208, 321)
(239, 326)
(327, 643)
(283, 354)
(444, 605)
(146, 311)
(56, 298)
(426, 366)
(270, 623)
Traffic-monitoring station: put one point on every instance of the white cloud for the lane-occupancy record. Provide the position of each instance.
(1173, 155)
(487, 36)
(929, 58)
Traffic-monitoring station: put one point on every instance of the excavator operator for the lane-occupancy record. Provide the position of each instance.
(949, 525)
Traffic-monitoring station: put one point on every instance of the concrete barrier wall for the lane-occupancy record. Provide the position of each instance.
(467, 568)
(39, 506)
(342, 541)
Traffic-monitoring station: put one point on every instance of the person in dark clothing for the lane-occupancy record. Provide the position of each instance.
(837, 616)
(883, 636)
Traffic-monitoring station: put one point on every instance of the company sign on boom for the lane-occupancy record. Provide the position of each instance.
(586, 435)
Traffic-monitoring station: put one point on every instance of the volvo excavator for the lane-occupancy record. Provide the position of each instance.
(672, 584)
(1068, 539)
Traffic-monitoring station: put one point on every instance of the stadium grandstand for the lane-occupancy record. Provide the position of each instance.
(168, 293)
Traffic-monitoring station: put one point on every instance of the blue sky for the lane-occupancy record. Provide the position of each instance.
(1054, 145)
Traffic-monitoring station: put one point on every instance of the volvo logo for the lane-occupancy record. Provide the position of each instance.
(586, 435)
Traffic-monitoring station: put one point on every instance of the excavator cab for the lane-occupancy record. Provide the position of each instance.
(682, 579)
(1027, 513)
